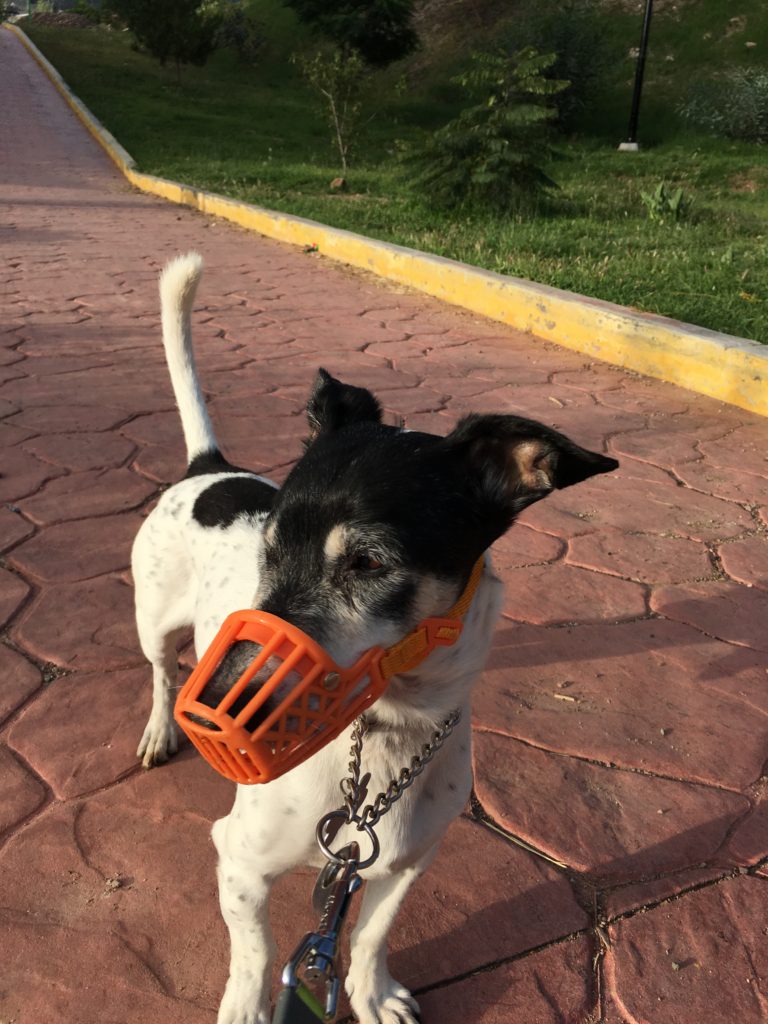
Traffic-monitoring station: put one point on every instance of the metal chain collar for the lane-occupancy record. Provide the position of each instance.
(351, 787)
(355, 789)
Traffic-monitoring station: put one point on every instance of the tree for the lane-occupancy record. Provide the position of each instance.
(338, 77)
(492, 153)
(580, 35)
(380, 30)
(176, 31)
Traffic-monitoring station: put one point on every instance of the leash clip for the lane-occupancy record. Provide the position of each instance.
(317, 953)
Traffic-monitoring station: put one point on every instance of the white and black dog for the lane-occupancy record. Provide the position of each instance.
(375, 529)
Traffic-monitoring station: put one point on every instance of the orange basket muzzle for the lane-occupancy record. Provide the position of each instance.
(265, 696)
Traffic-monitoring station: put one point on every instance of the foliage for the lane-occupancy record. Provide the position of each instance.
(253, 134)
(338, 76)
(733, 105)
(176, 31)
(88, 11)
(666, 204)
(380, 30)
(576, 31)
(492, 153)
(241, 31)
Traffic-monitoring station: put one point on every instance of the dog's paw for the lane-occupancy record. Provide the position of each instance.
(159, 742)
(241, 1016)
(243, 1004)
(387, 1003)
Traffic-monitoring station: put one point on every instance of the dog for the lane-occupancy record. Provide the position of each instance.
(375, 529)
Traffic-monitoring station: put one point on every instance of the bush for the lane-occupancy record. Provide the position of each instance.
(241, 31)
(734, 105)
(338, 76)
(492, 153)
(380, 30)
(576, 31)
(93, 14)
(176, 31)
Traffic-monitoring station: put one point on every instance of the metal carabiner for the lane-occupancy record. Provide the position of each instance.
(324, 835)
(316, 955)
(296, 1004)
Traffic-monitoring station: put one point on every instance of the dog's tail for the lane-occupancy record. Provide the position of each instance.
(178, 284)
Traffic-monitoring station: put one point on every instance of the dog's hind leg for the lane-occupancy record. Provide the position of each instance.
(244, 895)
(375, 996)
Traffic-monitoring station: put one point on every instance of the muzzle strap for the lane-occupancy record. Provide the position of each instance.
(409, 652)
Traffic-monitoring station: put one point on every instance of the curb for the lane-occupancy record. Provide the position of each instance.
(721, 366)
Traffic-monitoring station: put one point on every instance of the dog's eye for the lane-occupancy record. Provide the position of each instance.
(363, 562)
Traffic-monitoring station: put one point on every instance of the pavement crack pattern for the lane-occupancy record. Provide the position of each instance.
(611, 866)
(480, 729)
(495, 964)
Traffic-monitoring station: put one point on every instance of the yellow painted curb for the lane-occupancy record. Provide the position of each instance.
(731, 369)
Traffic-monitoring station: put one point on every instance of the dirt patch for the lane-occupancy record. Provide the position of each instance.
(744, 183)
(737, 24)
(61, 19)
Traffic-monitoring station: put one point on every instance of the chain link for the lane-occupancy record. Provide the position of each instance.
(351, 787)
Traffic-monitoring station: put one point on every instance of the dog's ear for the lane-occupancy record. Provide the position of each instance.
(333, 405)
(513, 462)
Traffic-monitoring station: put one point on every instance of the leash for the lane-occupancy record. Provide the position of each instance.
(315, 959)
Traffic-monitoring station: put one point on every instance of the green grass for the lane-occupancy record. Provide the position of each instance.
(255, 133)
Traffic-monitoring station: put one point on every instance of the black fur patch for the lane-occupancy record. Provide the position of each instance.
(396, 604)
(225, 500)
(333, 405)
(210, 462)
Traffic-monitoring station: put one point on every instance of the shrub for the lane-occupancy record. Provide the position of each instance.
(175, 31)
(576, 31)
(241, 31)
(734, 105)
(492, 153)
(338, 76)
(380, 30)
(85, 9)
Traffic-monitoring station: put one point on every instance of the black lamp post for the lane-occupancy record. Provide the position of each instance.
(632, 145)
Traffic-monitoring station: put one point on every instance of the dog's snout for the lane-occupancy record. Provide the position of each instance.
(235, 662)
(294, 609)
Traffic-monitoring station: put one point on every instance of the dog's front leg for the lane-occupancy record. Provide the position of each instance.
(243, 895)
(375, 996)
(160, 738)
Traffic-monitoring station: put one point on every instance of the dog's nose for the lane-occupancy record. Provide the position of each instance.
(231, 667)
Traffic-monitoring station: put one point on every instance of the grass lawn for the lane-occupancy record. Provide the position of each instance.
(255, 133)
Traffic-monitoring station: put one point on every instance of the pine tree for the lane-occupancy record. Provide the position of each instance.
(492, 152)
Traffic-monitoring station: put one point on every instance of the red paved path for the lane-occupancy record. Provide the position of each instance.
(622, 726)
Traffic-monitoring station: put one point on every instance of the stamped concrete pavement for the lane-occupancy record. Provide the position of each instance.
(621, 728)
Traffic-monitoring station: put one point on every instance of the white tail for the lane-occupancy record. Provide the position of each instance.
(178, 284)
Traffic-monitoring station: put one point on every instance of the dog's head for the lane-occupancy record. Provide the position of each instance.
(377, 528)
